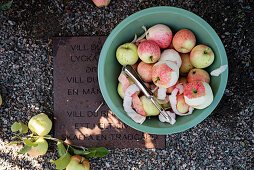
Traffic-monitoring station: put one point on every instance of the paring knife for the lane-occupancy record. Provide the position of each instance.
(128, 70)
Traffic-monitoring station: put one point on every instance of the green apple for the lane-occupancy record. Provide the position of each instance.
(149, 107)
(201, 56)
(40, 124)
(78, 162)
(127, 54)
(40, 149)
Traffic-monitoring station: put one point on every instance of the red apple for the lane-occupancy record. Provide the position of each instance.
(165, 74)
(149, 51)
(161, 34)
(198, 94)
(184, 40)
(101, 3)
(198, 74)
(186, 64)
(78, 162)
(201, 56)
(145, 71)
(171, 55)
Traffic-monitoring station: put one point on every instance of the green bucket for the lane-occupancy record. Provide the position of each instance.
(176, 18)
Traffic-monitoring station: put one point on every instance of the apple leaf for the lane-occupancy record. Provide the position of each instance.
(97, 152)
(61, 150)
(75, 151)
(25, 149)
(23, 129)
(62, 162)
(14, 142)
(28, 142)
(15, 127)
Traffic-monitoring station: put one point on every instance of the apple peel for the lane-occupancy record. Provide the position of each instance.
(124, 80)
(173, 102)
(138, 105)
(171, 115)
(219, 70)
(127, 102)
(180, 88)
(162, 93)
(131, 90)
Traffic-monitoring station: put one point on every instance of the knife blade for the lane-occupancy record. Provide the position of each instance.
(129, 71)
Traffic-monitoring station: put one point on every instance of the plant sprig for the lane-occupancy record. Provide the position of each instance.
(31, 140)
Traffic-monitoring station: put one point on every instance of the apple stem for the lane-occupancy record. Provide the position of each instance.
(54, 139)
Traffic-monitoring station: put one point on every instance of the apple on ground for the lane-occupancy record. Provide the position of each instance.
(201, 56)
(181, 106)
(171, 55)
(184, 40)
(165, 74)
(186, 64)
(40, 149)
(145, 71)
(40, 124)
(149, 51)
(149, 107)
(78, 162)
(101, 3)
(198, 74)
(161, 34)
(198, 94)
(127, 54)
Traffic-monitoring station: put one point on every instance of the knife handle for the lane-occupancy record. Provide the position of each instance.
(128, 69)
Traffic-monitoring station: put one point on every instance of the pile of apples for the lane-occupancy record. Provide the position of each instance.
(172, 66)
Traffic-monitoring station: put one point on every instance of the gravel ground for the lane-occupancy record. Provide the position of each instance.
(223, 141)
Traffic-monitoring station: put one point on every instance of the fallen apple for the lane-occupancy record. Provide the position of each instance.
(78, 162)
(40, 124)
(101, 3)
(40, 149)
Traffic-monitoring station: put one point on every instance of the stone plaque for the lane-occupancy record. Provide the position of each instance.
(77, 96)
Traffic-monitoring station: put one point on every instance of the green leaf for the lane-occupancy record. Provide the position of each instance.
(23, 129)
(97, 152)
(14, 142)
(25, 149)
(61, 150)
(28, 142)
(62, 162)
(15, 127)
(48, 136)
(80, 152)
